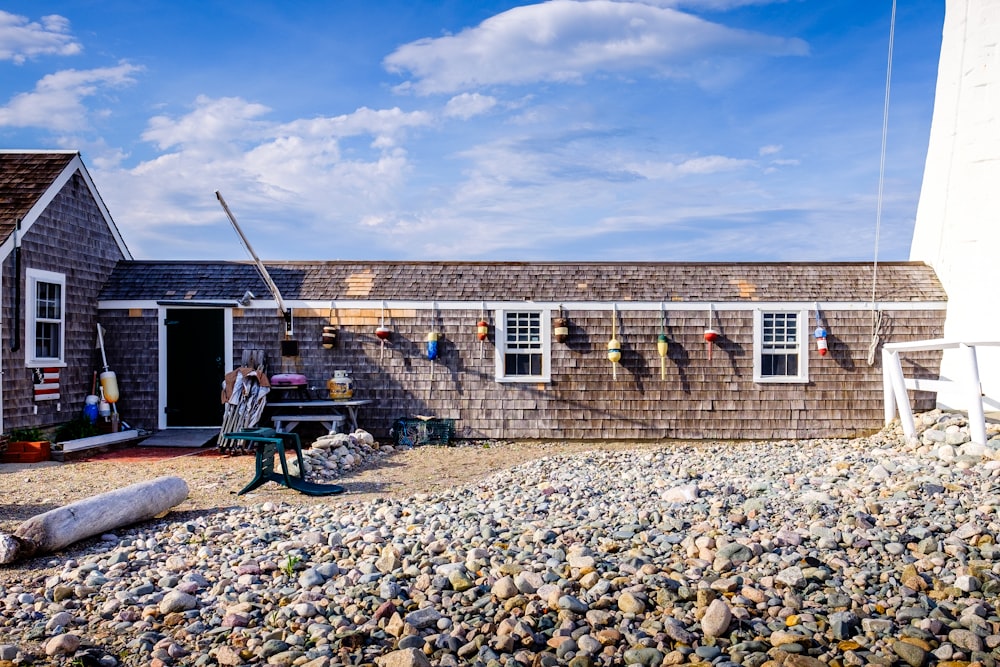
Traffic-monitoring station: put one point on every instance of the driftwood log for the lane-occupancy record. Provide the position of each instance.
(85, 518)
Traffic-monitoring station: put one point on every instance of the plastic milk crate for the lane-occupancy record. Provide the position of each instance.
(413, 432)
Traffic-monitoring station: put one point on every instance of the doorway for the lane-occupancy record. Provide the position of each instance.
(195, 366)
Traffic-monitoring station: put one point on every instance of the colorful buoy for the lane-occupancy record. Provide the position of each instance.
(821, 344)
(329, 336)
(482, 330)
(382, 333)
(662, 347)
(561, 330)
(614, 351)
(711, 335)
(432, 345)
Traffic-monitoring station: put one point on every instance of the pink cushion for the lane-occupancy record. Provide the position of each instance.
(288, 380)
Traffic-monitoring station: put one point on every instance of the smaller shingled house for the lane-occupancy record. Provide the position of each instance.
(175, 327)
(58, 245)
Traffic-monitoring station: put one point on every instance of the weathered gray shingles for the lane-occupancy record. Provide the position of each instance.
(541, 281)
(24, 177)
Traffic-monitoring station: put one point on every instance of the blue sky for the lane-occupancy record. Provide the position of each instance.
(706, 130)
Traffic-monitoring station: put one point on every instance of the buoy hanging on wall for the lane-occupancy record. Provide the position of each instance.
(662, 345)
(432, 349)
(560, 330)
(482, 331)
(614, 346)
(432, 345)
(820, 334)
(821, 344)
(329, 336)
(711, 335)
(382, 332)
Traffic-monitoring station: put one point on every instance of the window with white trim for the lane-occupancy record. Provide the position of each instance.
(45, 321)
(523, 346)
(780, 352)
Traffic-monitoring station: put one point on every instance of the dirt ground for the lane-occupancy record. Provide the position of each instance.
(214, 480)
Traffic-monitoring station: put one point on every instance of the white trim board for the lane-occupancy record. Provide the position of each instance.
(656, 306)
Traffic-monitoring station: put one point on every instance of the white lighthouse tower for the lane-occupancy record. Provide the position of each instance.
(958, 218)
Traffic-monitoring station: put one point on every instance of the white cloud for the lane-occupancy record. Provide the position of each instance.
(21, 39)
(213, 121)
(770, 149)
(295, 177)
(709, 164)
(57, 101)
(467, 105)
(385, 125)
(711, 5)
(565, 40)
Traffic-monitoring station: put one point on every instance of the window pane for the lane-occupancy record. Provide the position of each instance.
(46, 340)
(48, 302)
(524, 331)
(780, 331)
(522, 364)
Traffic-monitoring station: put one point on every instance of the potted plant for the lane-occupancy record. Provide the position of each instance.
(26, 445)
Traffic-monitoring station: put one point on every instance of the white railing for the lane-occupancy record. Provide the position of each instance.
(894, 384)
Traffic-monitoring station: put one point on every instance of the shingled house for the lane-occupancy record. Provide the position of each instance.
(175, 328)
(58, 245)
(763, 376)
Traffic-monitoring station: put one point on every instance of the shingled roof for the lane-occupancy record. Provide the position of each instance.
(24, 178)
(516, 281)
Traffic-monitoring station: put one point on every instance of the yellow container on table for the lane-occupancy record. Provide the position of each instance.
(340, 386)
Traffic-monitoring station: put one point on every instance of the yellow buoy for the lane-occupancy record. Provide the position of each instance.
(662, 347)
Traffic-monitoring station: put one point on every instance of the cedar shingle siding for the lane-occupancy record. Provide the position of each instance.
(699, 398)
(68, 237)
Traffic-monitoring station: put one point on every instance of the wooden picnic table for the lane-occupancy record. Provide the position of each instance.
(288, 414)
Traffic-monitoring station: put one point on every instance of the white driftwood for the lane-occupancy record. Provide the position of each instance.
(63, 526)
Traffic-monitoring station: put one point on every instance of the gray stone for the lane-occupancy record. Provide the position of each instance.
(643, 656)
(409, 657)
(176, 600)
(630, 604)
(911, 654)
(791, 577)
(965, 640)
(844, 624)
(423, 618)
(64, 644)
(717, 618)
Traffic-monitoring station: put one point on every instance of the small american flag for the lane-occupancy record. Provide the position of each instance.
(46, 384)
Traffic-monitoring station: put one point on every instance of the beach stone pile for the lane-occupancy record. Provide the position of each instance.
(331, 456)
(879, 550)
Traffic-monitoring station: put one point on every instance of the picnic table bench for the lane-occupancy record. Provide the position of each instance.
(331, 414)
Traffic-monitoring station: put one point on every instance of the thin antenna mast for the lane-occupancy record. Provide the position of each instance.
(282, 309)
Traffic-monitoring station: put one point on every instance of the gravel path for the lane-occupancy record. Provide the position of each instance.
(797, 554)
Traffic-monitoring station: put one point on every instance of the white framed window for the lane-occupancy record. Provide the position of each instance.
(523, 345)
(45, 321)
(780, 346)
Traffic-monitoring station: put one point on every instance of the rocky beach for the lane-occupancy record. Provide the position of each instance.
(877, 550)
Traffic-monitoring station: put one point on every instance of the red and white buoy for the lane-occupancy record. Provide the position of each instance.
(820, 335)
(382, 332)
(711, 335)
